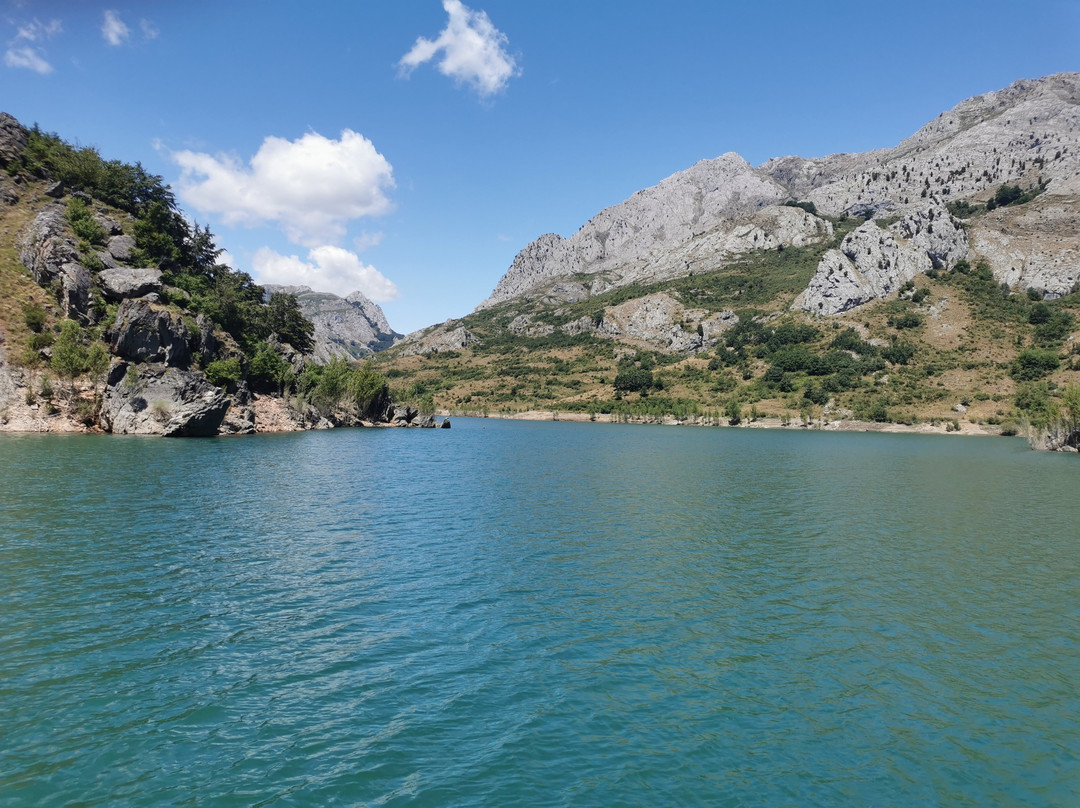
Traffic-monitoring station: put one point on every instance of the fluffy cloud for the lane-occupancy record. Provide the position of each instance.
(473, 51)
(328, 269)
(310, 187)
(27, 58)
(114, 30)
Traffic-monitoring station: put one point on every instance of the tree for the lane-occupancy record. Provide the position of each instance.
(284, 318)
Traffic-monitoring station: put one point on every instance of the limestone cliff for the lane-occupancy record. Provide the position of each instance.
(696, 220)
(351, 326)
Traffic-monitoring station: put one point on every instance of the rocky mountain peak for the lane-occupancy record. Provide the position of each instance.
(351, 326)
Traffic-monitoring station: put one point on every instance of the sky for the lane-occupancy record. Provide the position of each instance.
(409, 149)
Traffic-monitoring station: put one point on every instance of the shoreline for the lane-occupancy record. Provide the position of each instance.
(967, 428)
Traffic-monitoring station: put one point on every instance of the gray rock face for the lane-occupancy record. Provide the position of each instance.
(351, 326)
(872, 264)
(123, 282)
(439, 339)
(13, 139)
(154, 399)
(50, 255)
(43, 246)
(648, 226)
(697, 219)
(655, 321)
(144, 332)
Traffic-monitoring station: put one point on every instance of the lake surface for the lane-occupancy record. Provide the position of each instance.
(514, 613)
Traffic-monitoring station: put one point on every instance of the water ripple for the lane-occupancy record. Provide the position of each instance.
(538, 614)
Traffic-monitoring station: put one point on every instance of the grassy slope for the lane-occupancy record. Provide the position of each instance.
(968, 335)
(17, 286)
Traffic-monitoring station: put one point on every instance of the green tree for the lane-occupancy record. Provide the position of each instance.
(283, 317)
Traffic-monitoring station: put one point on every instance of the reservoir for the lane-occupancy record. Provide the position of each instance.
(522, 613)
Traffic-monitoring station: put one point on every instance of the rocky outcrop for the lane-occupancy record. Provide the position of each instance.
(155, 399)
(52, 258)
(13, 139)
(655, 321)
(351, 326)
(123, 282)
(439, 339)
(873, 263)
(145, 332)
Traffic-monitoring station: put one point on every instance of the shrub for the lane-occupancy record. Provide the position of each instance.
(70, 356)
(222, 372)
(1033, 363)
(83, 223)
(269, 369)
(633, 379)
(907, 320)
(899, 353)
(34, 316)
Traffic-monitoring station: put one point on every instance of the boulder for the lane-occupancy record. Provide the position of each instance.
(123, 282)
(144, 332)
(155, 399)
(121, 247)
(445, 423)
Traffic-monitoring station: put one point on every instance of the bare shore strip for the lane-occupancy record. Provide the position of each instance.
(764, 422)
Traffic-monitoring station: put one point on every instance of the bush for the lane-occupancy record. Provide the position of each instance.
(1033, 363)
(222, 372)
(268, 368)
(34, 316)
(70, 356)
(907, 320)
(83, 223)
(632, 379)
(899, 353)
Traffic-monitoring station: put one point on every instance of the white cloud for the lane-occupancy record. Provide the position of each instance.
(149, 30)
(28, 58)
(473, 51)
(36, 30)
(328, 269)
(114, 30)
(310, 187)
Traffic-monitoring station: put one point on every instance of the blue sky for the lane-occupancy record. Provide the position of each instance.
(411, 148)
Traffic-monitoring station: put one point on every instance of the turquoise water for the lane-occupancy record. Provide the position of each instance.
(532, 614)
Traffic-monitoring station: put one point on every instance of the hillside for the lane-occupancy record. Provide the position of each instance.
(116, 316)
(934, 282)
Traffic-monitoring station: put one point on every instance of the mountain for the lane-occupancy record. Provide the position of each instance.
(969, 228)
(699, 218)
(351, 326)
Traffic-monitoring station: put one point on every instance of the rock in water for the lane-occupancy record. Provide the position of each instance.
(154, 399)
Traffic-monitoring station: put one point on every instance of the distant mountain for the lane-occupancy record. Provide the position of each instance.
(907, 284)
(350, 326)
(697, 219)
